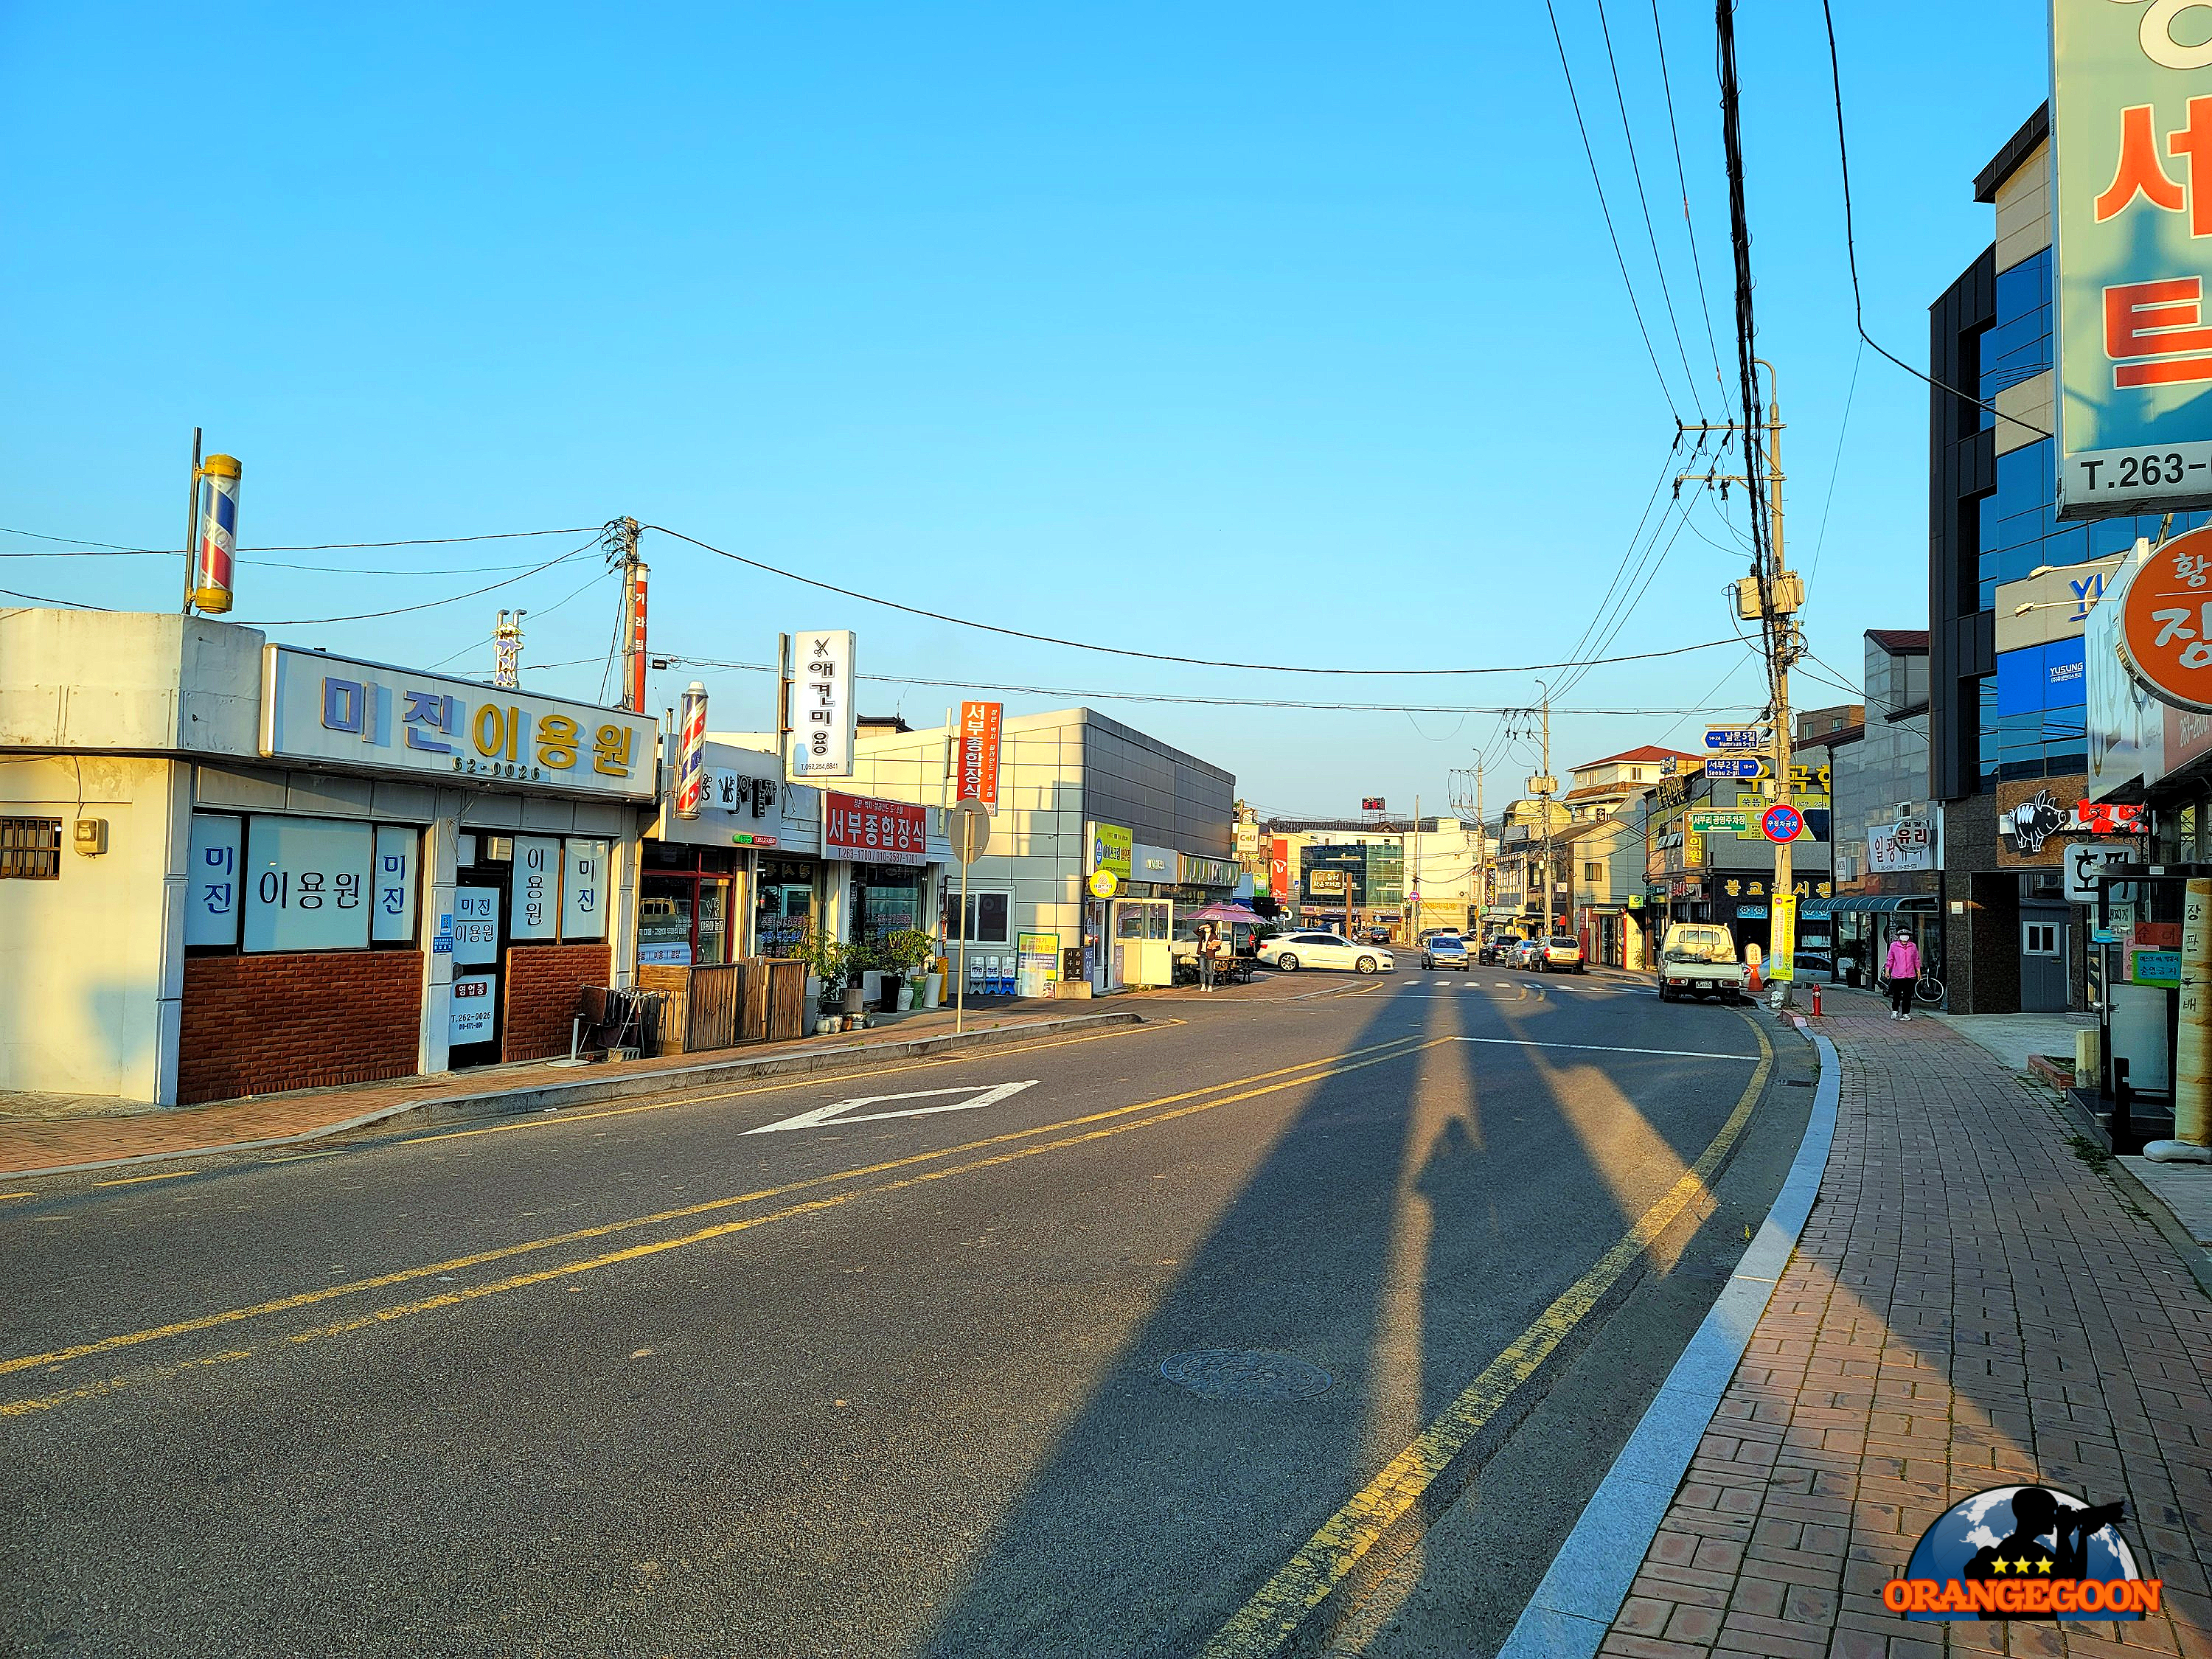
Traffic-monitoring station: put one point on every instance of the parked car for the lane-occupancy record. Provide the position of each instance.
(1378, 936)
(1292, 952)
(1697, 959)
(1493, 949)
(1445, 950)
(1562, 953)
(1521, 953)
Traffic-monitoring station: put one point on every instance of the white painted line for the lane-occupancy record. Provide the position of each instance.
(822, 1115)
(1607, 1048)
(1582, 1592)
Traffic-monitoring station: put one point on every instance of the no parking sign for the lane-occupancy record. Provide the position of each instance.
(1783, 822)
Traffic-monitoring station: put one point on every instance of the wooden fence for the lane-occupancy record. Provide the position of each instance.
(753, 999)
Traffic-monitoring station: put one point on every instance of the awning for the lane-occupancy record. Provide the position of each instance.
(1869, 902)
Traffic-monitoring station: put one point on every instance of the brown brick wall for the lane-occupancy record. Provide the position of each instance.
(542, 984)
(258, 1025)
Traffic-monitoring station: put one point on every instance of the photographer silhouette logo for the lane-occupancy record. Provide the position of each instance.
(2024, 1552)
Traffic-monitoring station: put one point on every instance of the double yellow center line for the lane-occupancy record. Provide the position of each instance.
(989, 1152)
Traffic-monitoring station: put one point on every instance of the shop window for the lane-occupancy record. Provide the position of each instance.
(783, 905)
(30, 849)
(989, 918)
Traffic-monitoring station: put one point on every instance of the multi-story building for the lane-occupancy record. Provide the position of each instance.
(2009, 589)
(1605, 875)
(1598, 787)
(1887, 833)
(1366, 873)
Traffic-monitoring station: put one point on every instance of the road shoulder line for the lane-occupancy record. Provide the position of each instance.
(1575, 1603)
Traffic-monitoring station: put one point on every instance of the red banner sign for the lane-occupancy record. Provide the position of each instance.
(867, 830)
(1279, 869)
(2104, 817)
(1370, 803)
(980, 725)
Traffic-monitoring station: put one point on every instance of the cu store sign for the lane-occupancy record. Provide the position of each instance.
(2165, 622)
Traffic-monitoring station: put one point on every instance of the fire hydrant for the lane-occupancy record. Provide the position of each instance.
(1816, 999)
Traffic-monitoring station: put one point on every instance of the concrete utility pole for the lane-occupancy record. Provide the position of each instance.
(620, 539)
(1772, 595)
(1543, 785)
(1414, 892)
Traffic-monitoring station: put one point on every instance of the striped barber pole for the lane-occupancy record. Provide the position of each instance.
(691, 760)
(218, 534)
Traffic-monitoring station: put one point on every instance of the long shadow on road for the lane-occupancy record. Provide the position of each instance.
(1405, 1223)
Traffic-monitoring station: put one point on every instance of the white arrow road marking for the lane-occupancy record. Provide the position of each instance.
(830, 1114)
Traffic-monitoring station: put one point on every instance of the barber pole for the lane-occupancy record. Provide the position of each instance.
(691, 759)
(217, 538)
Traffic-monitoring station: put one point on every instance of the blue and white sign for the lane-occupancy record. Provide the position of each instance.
(1730, 738)
(1736, 766)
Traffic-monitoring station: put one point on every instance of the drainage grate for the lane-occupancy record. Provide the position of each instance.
(1245, 1374)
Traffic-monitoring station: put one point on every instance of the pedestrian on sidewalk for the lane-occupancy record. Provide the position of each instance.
(1207, 945)
(1902, 966)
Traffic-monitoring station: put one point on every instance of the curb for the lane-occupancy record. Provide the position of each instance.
(2194, 1255)
(1575, 1604)
(555, 1096)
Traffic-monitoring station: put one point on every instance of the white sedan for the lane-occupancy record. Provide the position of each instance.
(1292, 952)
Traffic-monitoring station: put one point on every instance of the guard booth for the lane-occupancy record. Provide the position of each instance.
(1138, 930)
(2134, 969)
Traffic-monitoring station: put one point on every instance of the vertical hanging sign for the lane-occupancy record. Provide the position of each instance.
(981, 724)
(822, 713)
(636, 664)
(2131, 134)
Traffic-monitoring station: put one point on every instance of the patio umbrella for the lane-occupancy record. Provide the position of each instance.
(1226, 914)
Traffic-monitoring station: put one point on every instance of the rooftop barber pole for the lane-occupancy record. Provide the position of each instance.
(215, 538)
(691, 761)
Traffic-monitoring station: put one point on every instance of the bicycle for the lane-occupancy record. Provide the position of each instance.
(1929, 989)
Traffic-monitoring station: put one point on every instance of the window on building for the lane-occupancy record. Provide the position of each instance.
(30, 849)
(989, 918)
(2040, 938)
(1593, 870)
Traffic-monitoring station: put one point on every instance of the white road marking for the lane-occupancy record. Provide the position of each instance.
(1606, 1048)
(822, 1115)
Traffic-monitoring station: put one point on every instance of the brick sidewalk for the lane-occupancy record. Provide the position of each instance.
(1970, 1305)
(51, 1143)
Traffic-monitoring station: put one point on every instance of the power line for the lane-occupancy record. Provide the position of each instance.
(721, 665)
(1148, 656)
(1850, 247)
(1591, 155)
(1644, 201)
(85, 542)
(1689, 225)
(430, 604)
(1836, 466)
(596, 576)
(258, 563)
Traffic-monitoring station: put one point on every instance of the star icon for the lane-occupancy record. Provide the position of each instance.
(2042, 1567)
(2000, 1565)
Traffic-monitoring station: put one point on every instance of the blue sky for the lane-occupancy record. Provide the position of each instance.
(1274, 333)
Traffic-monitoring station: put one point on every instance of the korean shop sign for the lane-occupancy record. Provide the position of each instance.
(2131, 129)
(2165, 622)
(981, 728)
(822, 713)
(340, 712)
(871, 831)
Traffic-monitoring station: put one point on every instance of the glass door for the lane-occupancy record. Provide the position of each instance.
(472, 1024)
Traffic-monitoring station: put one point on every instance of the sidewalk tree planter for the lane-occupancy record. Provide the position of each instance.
(902, 958)
(839, 966)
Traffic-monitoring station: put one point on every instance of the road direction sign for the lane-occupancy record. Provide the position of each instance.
(1720, 821)
(1728, 739)
(1736, 766)
(1783, 822)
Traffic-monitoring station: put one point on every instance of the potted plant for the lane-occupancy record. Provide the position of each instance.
(838, 966)
(904, 954)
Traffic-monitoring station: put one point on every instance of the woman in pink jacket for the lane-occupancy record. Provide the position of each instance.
(1902, 967)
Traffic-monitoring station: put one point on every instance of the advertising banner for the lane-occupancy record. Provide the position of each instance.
(1909, 844)
(2131, 129)
(1279, 868)
(867, 830)
(315, 707)
(1782, 939)
(1111, 847)
(1037, 964)
(822, 711)
(981, 725)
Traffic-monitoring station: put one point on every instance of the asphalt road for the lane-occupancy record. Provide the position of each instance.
(752, 1371)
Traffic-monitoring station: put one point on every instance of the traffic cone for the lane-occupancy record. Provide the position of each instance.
(1756, 985)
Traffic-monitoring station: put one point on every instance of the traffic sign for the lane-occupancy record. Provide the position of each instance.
(970, 830)
(1736, 766)
(1783, 822)
(1733, 737)
(1720, 821)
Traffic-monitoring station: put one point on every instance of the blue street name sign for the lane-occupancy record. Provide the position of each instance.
(1729, 738)
(1736, 766)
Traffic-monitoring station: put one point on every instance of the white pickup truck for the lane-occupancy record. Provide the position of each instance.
(1697, 959)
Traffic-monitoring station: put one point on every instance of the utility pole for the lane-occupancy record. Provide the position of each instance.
(620, 540)
(1543, 785)
(1413, 905)
(1771, 596)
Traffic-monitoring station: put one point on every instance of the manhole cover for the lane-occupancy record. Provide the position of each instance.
(1244, 1374)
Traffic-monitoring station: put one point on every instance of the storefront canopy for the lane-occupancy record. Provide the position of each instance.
(1867, 902)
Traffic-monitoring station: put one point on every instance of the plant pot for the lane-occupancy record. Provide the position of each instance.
(932, 991)
(888, 996)
(906, 998)
(854, 1000)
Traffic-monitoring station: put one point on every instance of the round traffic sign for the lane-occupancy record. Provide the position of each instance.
(970, 831)
(1783, 822)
